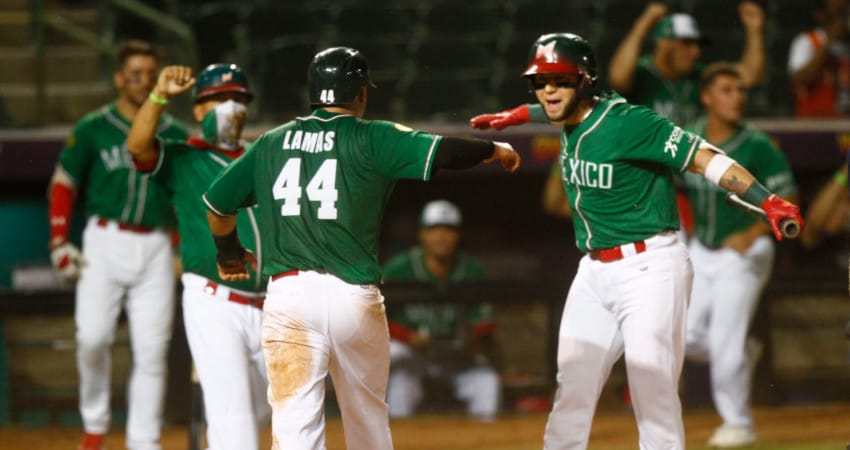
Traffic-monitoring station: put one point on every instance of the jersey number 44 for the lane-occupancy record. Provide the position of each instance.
(321, 188)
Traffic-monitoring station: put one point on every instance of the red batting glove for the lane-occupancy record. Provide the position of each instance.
(504, 119)
(778, 210)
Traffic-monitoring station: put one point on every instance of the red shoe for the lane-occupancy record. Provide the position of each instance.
(92, 441)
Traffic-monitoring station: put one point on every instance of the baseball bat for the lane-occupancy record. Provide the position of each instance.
(789, 228)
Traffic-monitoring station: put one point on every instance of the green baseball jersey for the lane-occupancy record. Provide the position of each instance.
(186, 172)
(441, 320)
(96, 156)
(675, 100)
(321, 183)
(714, 220)
(617, 167)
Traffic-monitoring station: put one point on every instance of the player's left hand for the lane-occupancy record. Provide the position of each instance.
(236, 269)
(752, 15)
(777, 210)
(505, 153)
(68, 261)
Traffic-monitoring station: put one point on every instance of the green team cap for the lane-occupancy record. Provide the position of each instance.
(677, 26)
(219, 78)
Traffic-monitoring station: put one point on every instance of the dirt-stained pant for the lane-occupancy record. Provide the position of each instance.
(315, 324)
(638, 305)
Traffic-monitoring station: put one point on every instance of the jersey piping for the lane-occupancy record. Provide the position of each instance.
(578, 187)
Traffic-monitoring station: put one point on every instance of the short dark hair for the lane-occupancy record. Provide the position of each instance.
(131, 48)
(716, 69)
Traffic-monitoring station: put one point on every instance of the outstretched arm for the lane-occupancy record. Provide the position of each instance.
(463, 153)
(621, 70)
(753, 59)
(173, 80)
(726, 173)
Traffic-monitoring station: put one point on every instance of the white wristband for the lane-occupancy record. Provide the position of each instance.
(718, 165)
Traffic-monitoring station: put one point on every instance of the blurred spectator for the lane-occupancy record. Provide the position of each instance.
(732, 253)
(445, 342)
(829, 212)
(668, 79)
(819, 63)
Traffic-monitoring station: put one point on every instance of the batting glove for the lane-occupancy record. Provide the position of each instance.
(504, 119)
(68, 261)
(779, 210)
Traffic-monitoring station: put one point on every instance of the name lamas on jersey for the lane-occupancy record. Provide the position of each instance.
(309, 142)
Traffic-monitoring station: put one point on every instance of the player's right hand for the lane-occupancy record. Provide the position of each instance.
(236, 269)
(504, 119)
(68, 261)
(779, 210)
(506, 154)
(173, 80)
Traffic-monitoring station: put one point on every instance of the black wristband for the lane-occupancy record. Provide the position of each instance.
(756, 194)
(228, 246)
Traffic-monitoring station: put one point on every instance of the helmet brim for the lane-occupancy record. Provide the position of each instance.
(541, 65)
(222, 88)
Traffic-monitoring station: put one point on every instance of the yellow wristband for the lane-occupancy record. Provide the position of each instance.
(840, 178)
(157, 100)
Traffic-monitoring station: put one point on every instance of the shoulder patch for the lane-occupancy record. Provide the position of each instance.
(402, 128)
(70, 141)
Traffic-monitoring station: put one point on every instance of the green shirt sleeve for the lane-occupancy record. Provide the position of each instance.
(400, 152)
(646, 136)
(234, 187)
(77, 153)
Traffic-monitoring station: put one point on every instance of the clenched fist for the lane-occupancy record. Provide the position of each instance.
(173, 80)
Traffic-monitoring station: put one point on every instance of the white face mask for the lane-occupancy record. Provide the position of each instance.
(222, 125)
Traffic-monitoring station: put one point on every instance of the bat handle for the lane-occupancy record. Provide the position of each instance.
(789, 228)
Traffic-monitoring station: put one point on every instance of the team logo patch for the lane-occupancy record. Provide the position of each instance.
(548, 52)
(673, 141)
(402, 128)
(70, 141)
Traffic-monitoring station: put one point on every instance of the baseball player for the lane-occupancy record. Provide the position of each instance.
(222, 317)
(668, 79)
(443, 341)
(126, 262)
(732, 253)
(320, 183)
(631, 291)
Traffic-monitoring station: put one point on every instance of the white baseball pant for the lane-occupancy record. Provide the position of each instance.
(135, 271)
(314, 324)
(478, 385)
(224, 338)
(638, 305)
(727, 288)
